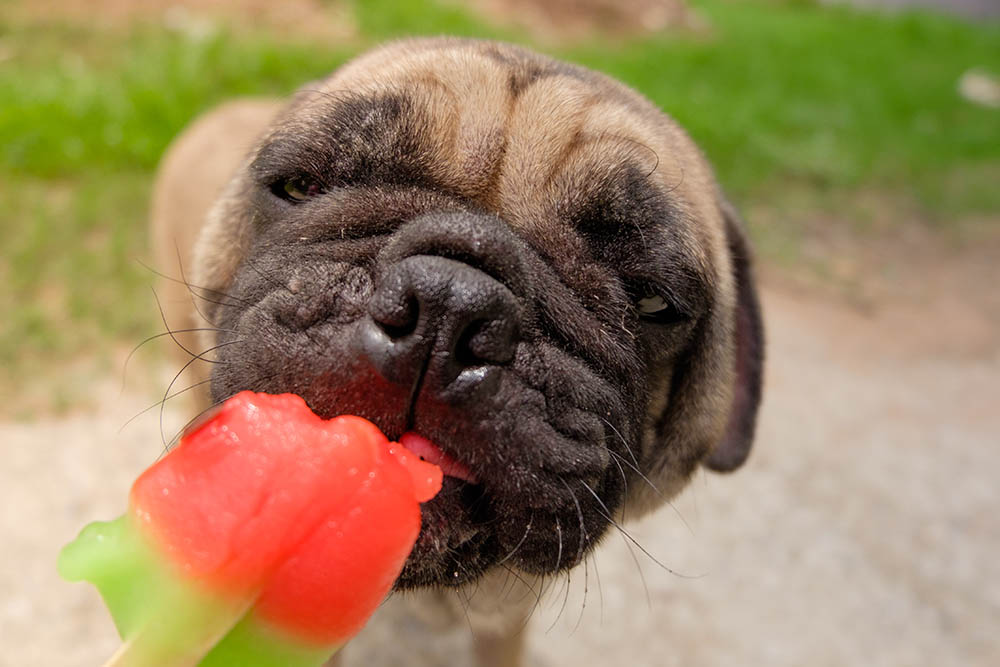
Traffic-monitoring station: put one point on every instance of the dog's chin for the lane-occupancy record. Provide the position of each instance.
(502, 505)
(466, 532)
(478, 521)
(456, 543)
(492, 516)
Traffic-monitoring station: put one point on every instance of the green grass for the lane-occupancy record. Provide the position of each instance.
(831, 99)
(792, 102)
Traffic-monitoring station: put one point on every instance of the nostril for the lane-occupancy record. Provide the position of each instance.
(486, 341)
(398, 320)
(397, 332)
(464, 353)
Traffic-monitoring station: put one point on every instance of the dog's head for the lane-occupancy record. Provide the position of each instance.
(522, 261)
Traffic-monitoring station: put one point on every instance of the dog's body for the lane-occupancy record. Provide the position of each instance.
(521, 260)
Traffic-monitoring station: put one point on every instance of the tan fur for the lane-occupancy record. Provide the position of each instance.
(192, 175)
(514, 151)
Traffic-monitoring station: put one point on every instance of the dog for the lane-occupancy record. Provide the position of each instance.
(520, 259)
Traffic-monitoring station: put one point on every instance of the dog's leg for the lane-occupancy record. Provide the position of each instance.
(500, 650)
(498, 608)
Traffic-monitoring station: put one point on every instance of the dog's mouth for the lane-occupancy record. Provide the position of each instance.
(428, 451)
(452, 545)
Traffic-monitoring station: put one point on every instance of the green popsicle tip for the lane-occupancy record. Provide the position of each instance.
(150, 603)
(113, 557)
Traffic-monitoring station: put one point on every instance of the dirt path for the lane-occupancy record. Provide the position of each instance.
(863, 531)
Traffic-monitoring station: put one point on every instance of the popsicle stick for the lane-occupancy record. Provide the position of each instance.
(125, 656)
(132, 654)
(135, 652)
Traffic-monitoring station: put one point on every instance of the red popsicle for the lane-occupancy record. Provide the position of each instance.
(305, 522)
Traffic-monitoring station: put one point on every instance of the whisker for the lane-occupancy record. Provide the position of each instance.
(680, 182)
(586, 584)
(670, 503)
(167, 333)
(170, 332)
(527, 585)
(336, 96)
(195, 358)
(505, 589)
(625, 443)
(680, 516)
(537, 603)
(656, 156)
(559, 554)
(531, 520)
(476, 580)
(638, 567)
(621, 471)
(195, 297)
(465, 610)
(579, 513)
(464, 601)
(562, 608)
(173, 395)
(580, 546)
(180, 432)
(264, 276)
(634, 469)
(600, 589)
(607, 515)
(191, 287)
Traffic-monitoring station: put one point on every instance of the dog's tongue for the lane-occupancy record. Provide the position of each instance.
(431, 453)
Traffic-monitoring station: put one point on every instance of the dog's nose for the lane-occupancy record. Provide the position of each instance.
(441, 322)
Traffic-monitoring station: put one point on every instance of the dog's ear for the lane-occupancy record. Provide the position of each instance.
(748, 335)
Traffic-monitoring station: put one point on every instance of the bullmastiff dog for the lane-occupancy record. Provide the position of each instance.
(520, 259)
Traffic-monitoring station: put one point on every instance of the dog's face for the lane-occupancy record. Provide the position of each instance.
(520, 260)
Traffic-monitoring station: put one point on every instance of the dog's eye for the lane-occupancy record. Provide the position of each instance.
(651, 305)
(296, 189)
(654, 308)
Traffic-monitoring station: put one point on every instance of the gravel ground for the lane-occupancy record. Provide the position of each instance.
(863, 530)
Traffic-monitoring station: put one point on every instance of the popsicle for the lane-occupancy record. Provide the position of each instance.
(267, 537)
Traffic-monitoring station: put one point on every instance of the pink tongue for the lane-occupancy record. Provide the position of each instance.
(431, 453)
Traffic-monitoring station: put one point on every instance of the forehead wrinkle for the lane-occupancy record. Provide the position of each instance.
(468, 155)
(685, 182)
(601, 147)
(622, 124)
(544, 121)
(465, 103)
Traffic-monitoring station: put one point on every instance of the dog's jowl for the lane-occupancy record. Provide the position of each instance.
(522, 260)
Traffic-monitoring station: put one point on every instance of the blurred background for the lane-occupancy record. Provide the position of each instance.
(860, 139)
